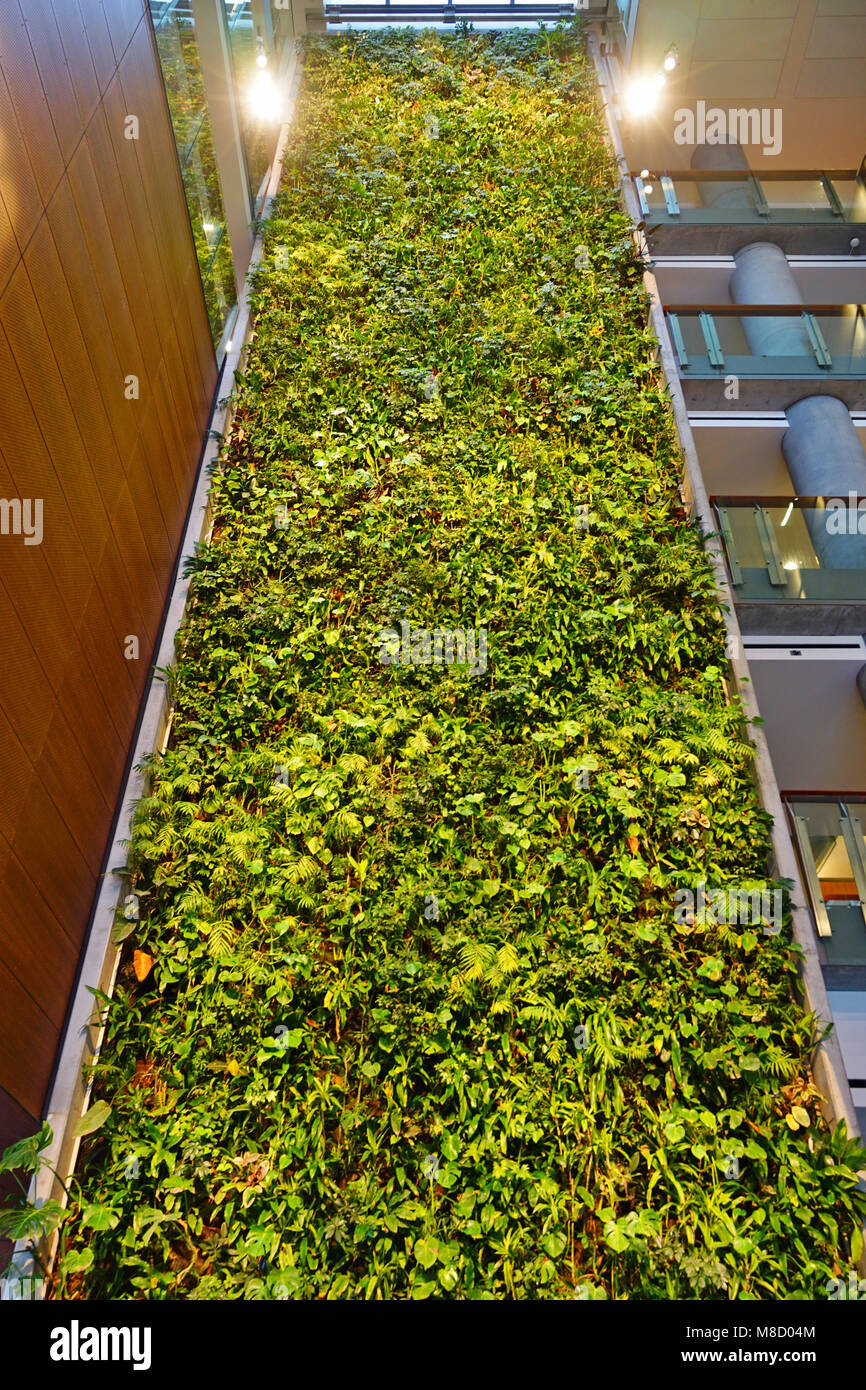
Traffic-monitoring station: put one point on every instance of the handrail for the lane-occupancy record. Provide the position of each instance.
(504, 9)
(764, 310)
(797, 794)
(742, 175)
(757, 500)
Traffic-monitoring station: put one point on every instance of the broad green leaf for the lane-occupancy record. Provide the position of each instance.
(93, 1118)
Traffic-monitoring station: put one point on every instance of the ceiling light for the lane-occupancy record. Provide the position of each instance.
(642, 96)
(787, 517)
(671, 59)
(791, 565)
(644, 173)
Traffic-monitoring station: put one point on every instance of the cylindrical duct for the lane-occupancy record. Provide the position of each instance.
(725, 194)
(826, 459)
(763, 276)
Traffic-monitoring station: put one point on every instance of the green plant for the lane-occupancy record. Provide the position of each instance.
(20, 1218)
(422, 1020)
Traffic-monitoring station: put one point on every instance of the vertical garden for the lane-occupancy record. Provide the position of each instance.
(406, 1010)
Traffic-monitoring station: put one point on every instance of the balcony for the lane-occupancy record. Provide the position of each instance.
(832, 851)
(706, 212)
(712, 348)
(790, 570)
(474, 11)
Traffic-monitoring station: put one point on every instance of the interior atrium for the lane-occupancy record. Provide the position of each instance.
(433, 695)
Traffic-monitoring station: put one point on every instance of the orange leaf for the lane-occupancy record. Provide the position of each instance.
(142, 964)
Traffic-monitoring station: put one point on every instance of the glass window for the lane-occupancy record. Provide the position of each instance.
(181, 70)
(283, 22)
(830, 838)
(254, 74)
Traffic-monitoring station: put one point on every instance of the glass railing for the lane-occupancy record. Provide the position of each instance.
(717, 198)
(181, 70)
(259, 135)
(769, 340)
(447, 11)
(782, 550)
(832, 849)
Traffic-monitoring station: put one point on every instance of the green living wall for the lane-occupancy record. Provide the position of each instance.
(421, 1019)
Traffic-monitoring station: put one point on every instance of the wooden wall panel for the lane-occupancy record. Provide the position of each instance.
(98, 282)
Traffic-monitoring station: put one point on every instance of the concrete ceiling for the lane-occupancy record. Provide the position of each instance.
(805, 57)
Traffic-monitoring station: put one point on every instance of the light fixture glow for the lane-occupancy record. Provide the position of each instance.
(262, 60)
(671, 59)
(642, 96)
(791, 565)
(647, 188)
(787, 517)
(644, 173)
(266, 100)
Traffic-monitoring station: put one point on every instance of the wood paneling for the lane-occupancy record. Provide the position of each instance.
(98, 282)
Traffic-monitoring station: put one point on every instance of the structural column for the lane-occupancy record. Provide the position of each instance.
(763, 276)
(826, 459)
(731, 194)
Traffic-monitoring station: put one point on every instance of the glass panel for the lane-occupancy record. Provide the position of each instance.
(181, 70)
(254, 75)
(821, 556)
(792, 199)
(284, 27)
(836, 879)
(786, 200)
(845, 336)
(787, 347)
